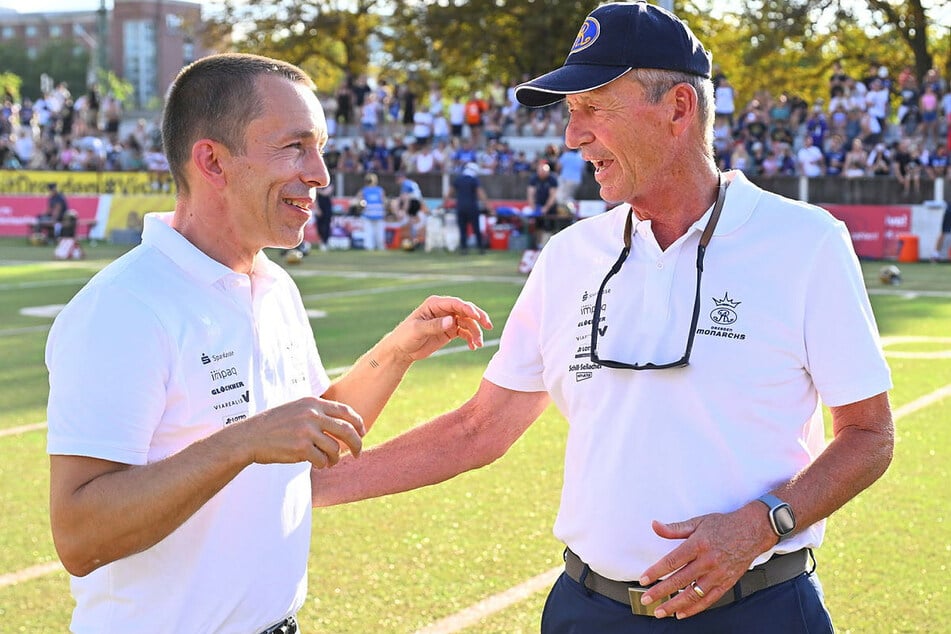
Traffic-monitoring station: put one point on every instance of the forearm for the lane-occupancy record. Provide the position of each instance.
(371, 381)
(120, 510)
(467, 438)
(857, 456)
(410, 461)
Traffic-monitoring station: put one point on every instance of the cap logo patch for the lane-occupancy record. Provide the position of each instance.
(589, 32)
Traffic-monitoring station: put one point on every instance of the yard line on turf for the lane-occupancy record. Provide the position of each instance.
(22, 429)
(12, 332)
(390, 275)
(498, 602)
(18, 286)
(33, 572)
(922, 402)
(371, 291)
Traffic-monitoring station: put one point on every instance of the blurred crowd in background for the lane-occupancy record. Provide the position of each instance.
(874, 125)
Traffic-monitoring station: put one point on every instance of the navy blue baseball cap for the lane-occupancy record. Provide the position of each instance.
(615, 38)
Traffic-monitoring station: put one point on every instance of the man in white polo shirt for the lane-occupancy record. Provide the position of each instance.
(689, 336)
(188, 405)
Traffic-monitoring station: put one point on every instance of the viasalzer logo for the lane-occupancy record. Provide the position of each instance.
(724, 313)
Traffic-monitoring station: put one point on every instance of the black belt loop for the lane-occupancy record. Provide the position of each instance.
(287, 626)
(815, 565)
(581, 579)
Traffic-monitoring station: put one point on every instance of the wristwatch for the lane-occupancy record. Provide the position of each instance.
(781, 516)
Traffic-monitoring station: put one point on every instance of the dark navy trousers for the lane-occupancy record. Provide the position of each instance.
(793, 607)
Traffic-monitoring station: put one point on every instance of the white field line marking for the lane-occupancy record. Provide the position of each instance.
(22, 429)
(33, 572)
(498, 602)
(434, 279)
(16, 286)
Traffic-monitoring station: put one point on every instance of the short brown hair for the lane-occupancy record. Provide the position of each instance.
(216, 98)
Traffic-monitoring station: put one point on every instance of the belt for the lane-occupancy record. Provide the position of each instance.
(776, 570)
(287, 626)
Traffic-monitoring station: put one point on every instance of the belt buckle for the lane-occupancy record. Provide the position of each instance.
(639, 608)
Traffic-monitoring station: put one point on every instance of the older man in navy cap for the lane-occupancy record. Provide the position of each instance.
(689, 336)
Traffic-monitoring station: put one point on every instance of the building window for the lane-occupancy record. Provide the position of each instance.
(141, 52)
(31, 52)
(8, 33)
(31, 30)
(56, 30)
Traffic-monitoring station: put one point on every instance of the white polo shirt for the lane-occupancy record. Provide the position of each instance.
(162, 348)
(784, 319)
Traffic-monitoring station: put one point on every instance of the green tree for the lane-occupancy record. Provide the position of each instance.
(10, 84)
(327, 38)
(483, 40)
(63, 60)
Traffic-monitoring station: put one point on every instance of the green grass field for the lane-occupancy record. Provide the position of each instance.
(403, 563)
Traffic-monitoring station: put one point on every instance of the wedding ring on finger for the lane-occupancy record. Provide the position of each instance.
(697, 589)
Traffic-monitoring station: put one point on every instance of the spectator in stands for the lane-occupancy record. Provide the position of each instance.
(457, 117)
(928, 109)
(908, 108)
(470, 198)
(835, 156)
(740, 158)
(186, 390)
(856, 160)
(810, 158)
(817, 126)
(475, 110)
(877, 102)
(938, 163)
(725, 99)
(880, 160)
(906, 164)
(372, 201)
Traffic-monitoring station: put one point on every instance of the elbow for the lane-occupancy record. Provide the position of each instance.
(74, 560)
(78, 554)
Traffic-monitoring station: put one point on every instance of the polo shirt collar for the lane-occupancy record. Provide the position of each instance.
(157, 232)
(741, 198)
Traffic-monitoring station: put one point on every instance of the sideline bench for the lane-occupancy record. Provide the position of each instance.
(39, 232)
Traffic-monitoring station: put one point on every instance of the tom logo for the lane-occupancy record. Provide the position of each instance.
(724, 312)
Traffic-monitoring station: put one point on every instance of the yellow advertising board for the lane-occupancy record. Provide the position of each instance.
(27, 182)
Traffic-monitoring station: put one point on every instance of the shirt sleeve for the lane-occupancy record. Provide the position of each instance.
(518, 364)
(109, 363)
(844, 353)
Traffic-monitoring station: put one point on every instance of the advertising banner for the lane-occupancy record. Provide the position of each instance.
(874, 228)
(18, 214)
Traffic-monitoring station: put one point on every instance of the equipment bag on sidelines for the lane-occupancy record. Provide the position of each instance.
(68, 249)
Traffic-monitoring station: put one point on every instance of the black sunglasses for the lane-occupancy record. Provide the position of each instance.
(701, 250)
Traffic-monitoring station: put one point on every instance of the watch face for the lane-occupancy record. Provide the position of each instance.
(783, 519)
